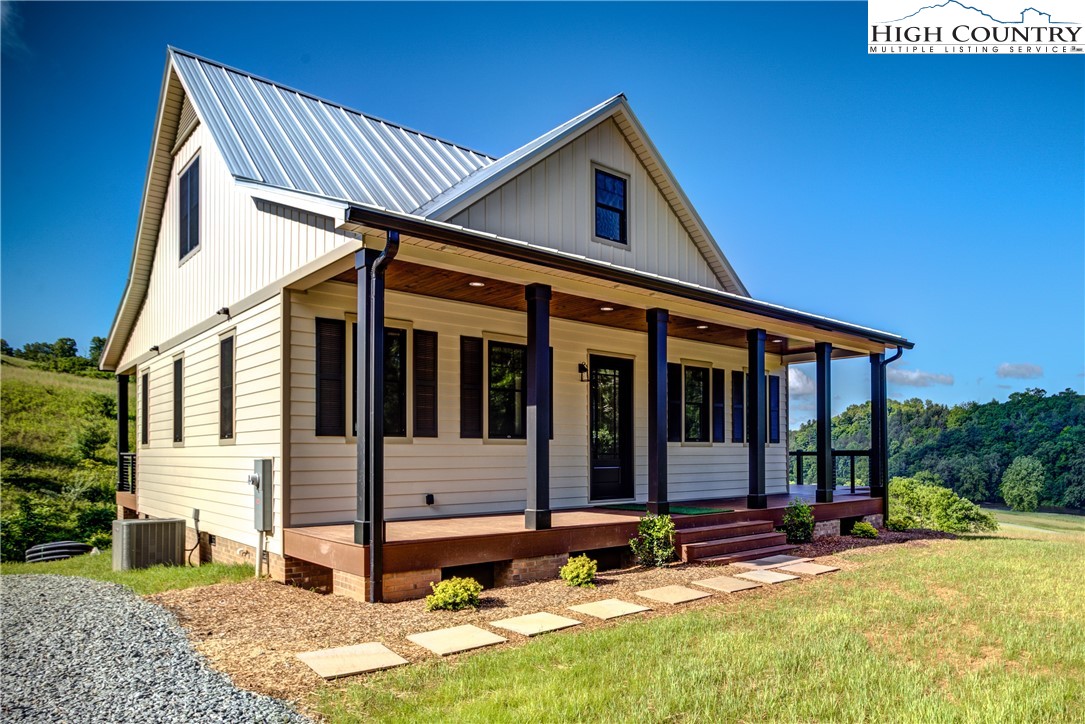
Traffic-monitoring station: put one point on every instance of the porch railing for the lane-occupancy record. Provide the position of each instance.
(838, 455)
(126, 473)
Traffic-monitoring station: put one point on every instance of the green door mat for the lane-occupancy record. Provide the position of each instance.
(676, 509)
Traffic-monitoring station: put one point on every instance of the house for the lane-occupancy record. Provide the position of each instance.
(449, 361)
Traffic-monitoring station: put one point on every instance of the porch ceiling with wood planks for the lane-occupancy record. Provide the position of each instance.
(430, 281)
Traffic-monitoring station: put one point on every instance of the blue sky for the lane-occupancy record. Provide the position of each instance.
(942, 198)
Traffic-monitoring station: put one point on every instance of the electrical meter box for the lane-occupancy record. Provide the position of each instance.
(262, 506)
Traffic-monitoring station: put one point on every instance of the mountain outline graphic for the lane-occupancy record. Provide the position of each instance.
(984, 14)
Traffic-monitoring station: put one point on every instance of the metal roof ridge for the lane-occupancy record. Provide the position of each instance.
(319, 99)
(511, 159)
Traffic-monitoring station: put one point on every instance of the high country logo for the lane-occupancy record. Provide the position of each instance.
(987, 26)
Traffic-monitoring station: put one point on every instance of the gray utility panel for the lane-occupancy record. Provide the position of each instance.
(262, 505)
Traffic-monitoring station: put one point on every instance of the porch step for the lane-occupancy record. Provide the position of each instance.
(749, 555)
(731, 546)
(684, 536)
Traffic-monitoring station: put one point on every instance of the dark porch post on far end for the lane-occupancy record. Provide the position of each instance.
(658, 320)
(122, 423)
(756, 417)
(823, 352)
(539, 414)
(879, 423)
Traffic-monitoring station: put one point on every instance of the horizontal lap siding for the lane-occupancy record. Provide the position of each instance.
(245, 246)
(474, 476)
(205, 473)
(552, 204)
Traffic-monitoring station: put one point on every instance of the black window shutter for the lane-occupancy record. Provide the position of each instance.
(674, 402)
(738, 396)
(425, 383)
(144, 411)
(774, 408)
(719, 412)
(226, 388)
(178, 399)
(471, 387)
(331, 365)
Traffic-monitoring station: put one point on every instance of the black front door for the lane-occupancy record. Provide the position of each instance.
(611, 428)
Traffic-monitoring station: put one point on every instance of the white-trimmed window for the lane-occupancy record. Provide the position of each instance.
(610, 222)
(188, 217)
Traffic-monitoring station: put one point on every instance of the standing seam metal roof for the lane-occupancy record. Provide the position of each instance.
(278, 136)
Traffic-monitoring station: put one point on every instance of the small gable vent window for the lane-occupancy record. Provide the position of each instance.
(611, 204)
(189, 203)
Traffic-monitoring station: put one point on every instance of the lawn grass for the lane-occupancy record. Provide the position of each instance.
(143, 581)
(987, 628)
(1053, 522)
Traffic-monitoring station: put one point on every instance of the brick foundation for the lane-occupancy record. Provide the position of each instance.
(875, 520)
(403, 586)
(825, 528)
(126, 513)
(522, 570)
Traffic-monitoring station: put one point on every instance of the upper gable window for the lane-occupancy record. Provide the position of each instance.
(611, 206)
(189, 216)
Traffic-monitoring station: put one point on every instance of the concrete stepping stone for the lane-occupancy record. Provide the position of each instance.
(348, 660)
(809, 569)
(769, 562)
(534, 624)
(765, 576)
(608, 608)
(673, 594)
(453, 640)
(726, 584)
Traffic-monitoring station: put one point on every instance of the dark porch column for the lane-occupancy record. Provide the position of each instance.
(879, 447)
(823, 352)
(756, 417)
(537, 513)
(658, 320)
(369, 359)
(363, 264)
(122, 423)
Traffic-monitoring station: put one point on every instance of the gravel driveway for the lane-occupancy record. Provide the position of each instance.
(77, 650)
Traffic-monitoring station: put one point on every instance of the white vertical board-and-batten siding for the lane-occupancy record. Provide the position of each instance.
(468, 476)
(204, 472)
(244, 249)
(552, 204)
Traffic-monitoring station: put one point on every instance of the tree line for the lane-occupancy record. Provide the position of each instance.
(60, 356)
(972, 446)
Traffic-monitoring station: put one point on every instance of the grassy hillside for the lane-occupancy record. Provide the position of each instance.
(58, 444)
(979, 629)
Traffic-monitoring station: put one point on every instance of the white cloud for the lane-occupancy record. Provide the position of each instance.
(799, 383)
(1022, 371)
(917, 378)
(11, 24)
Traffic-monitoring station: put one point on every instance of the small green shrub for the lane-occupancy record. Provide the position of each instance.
(932, 505)
(798, 522)
(654, 544)
(862, 529)
(579, 571)
(454, 594)
(900, 523)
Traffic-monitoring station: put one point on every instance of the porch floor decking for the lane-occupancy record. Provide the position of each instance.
(431, 543)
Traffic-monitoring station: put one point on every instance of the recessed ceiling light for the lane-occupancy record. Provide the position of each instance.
(606, 309)
(476, 284)
(702, 326)
(777, 341)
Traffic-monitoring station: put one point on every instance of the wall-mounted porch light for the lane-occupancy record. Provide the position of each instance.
(582, 368)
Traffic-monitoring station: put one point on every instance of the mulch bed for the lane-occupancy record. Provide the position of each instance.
(253, 630)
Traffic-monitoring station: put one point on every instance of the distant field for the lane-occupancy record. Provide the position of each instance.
(1053, 522)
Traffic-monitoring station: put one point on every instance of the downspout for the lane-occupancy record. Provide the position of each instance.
(885, 431)
(375, 428)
